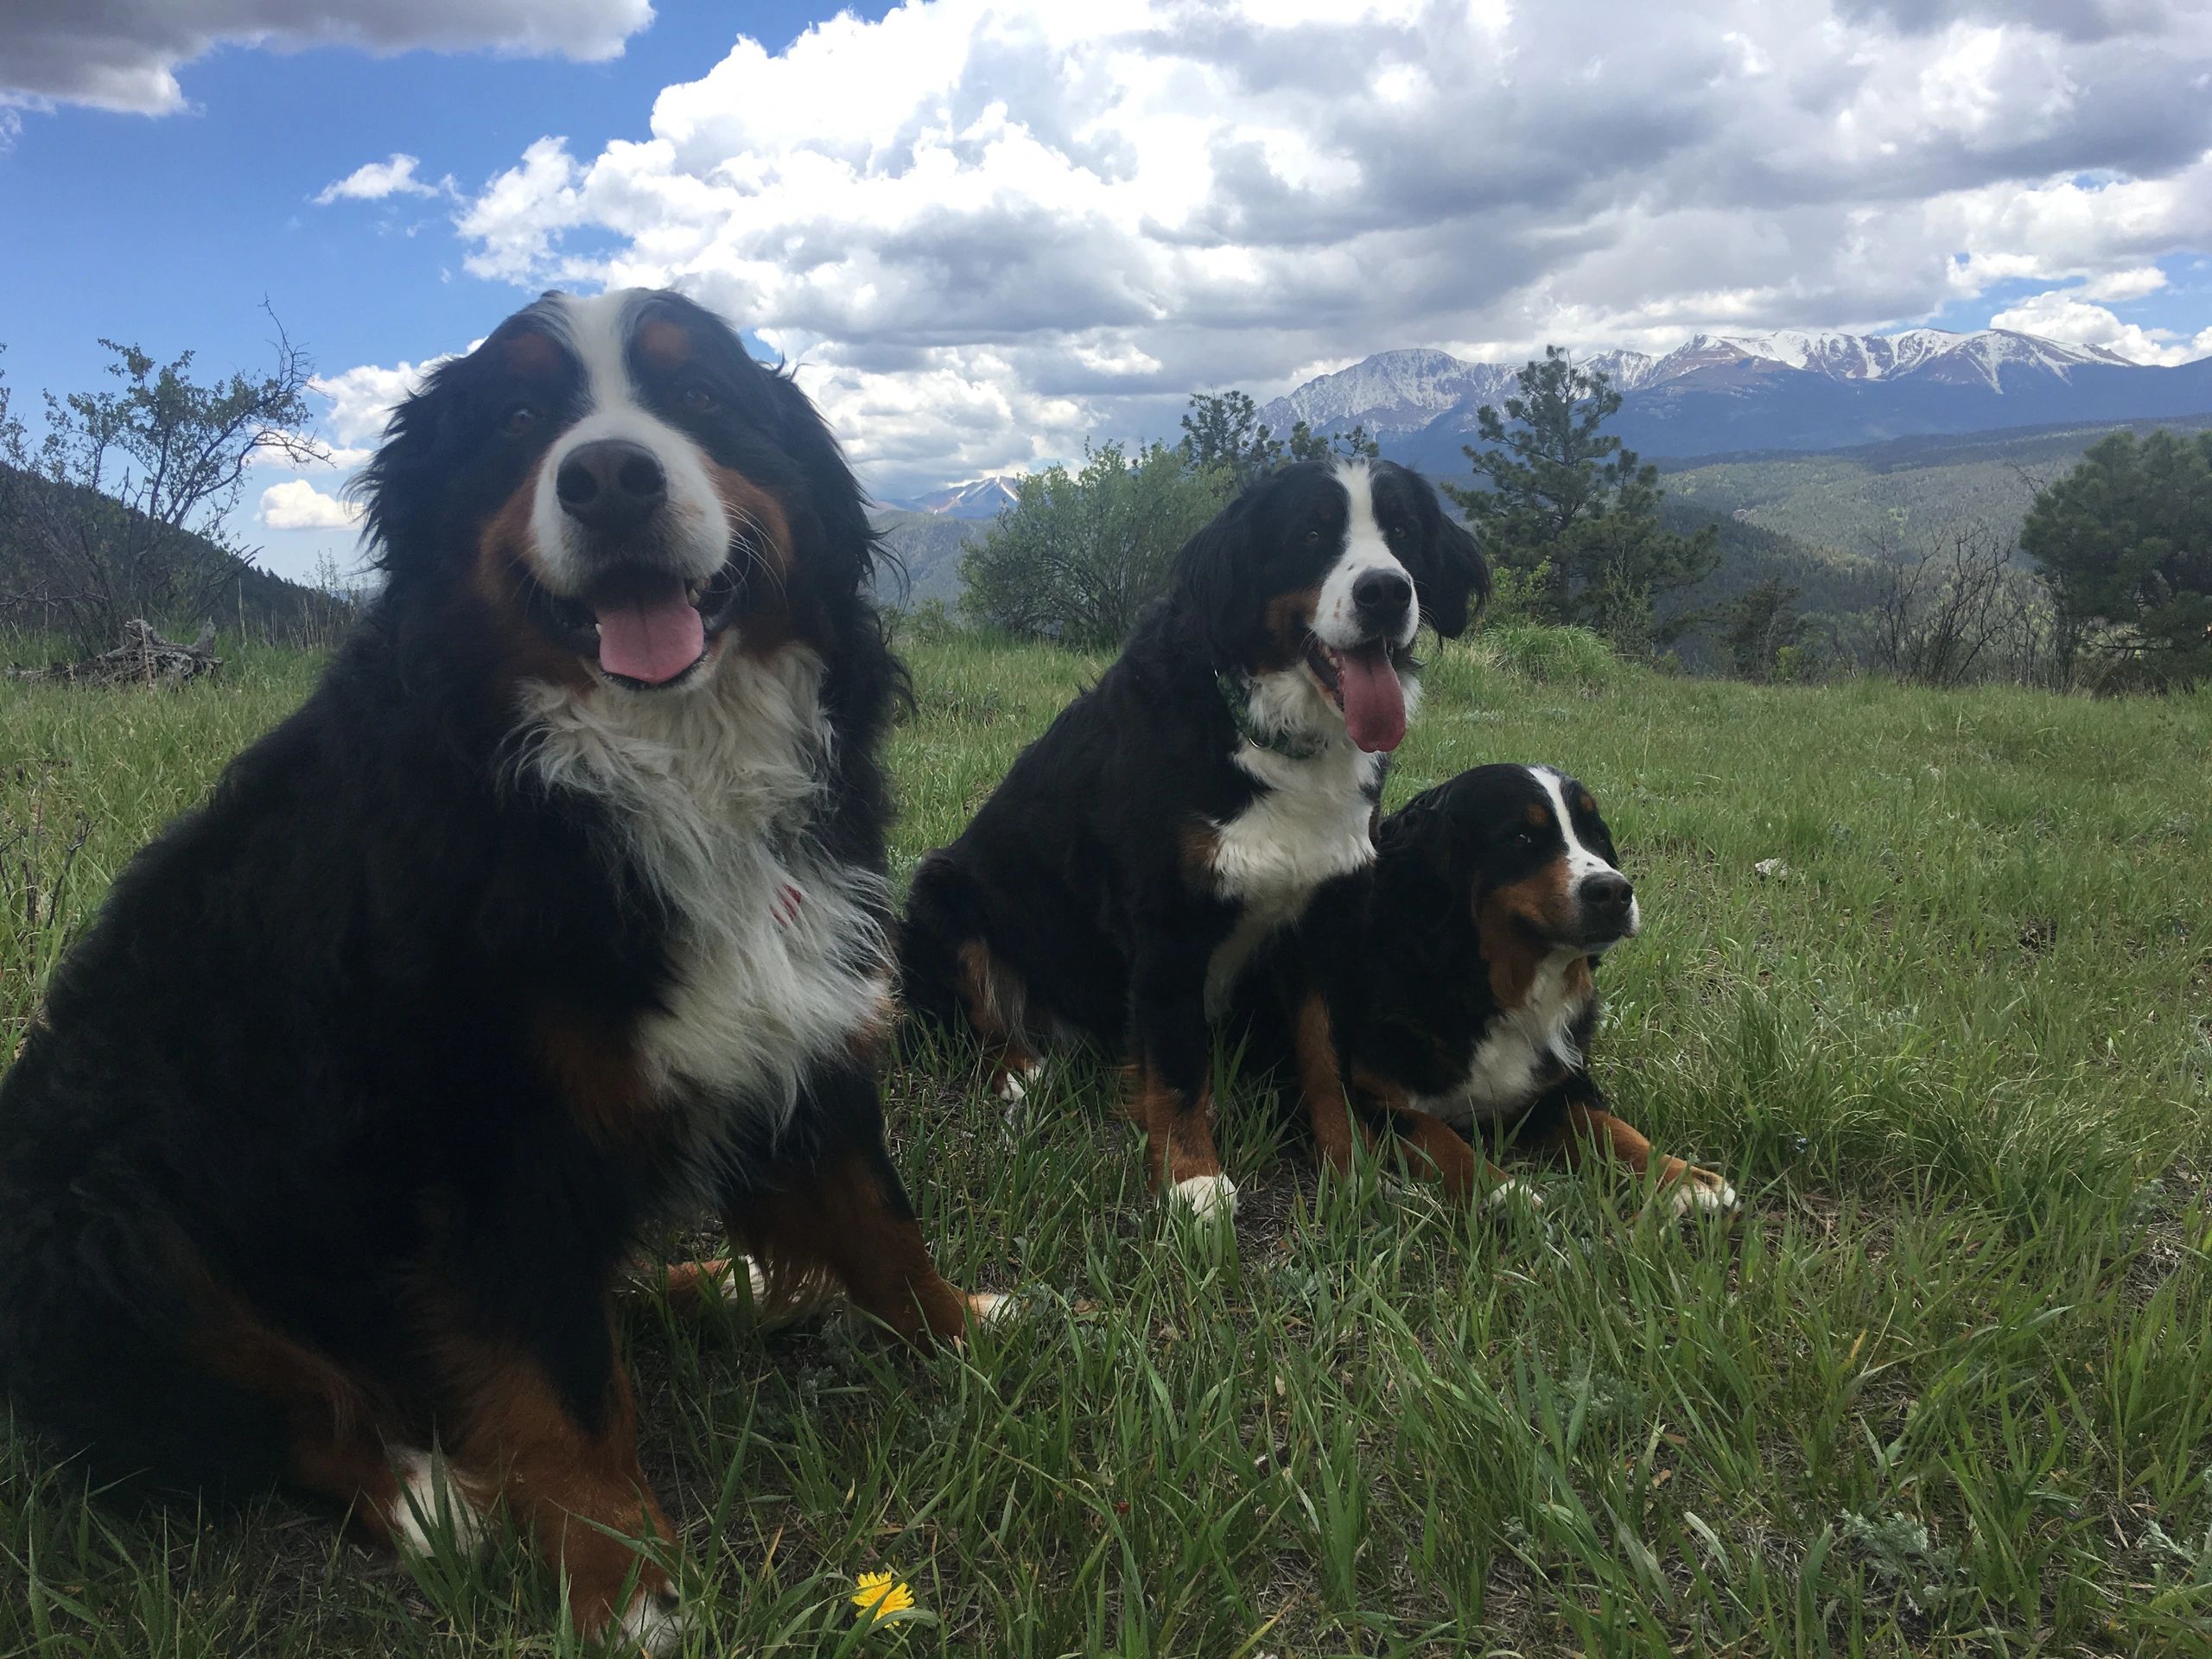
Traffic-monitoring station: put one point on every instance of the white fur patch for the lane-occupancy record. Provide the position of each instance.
(1506, 1069)
(1580, 860)
(1513, 1193)
(723, 1286)
(1207, 1197)
(990, 1306)
(696, 537)
(1335, 620)
(1682, 1197)
(1312, 821)
(1013, 1083)
(809, 1296)
(431, 1499)
(777, 954)
(655, 1622)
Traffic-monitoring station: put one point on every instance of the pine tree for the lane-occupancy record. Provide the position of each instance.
(1222, 432)
(2124, 543)
(1758, 625)
(1559, 500)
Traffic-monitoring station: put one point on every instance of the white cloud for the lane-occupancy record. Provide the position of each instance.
(2133, 284)
(297, 505)
(362, 399)
(2063, 314)
(374, 181)
(123, 54)
(987, 227)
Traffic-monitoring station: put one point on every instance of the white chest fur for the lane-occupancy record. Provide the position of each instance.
(777, 954)
(1508, 1064)
(1312, 821)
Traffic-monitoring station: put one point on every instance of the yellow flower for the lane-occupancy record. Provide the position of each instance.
(880, 1593)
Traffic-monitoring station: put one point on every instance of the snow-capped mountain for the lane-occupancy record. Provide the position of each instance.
(1403, 392)
(979, 498)
(1792, 389)
(1390, 391)
(1982, 356)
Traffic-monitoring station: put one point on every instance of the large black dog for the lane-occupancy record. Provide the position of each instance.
(559, 908)
(1447, 991)
(1186, 807)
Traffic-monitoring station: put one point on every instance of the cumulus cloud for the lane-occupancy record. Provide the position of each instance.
(123, 54)
(297, 505)
(985, 228)
(374, 181)
(2062, 313)
(2133, 284)
(362, 399)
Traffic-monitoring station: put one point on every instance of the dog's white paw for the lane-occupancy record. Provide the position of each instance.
(431, 1501)
(991, 1306)
(1690, 1196)
(1013, 1086)
(717, 1280)
(1207, 1197)
(756, 1282)
(1513, 1194)
(813, 1292)
(655, 1622)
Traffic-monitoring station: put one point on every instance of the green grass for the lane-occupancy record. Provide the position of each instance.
(1945, 1389)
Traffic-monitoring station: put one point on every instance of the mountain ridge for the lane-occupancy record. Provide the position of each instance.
(1789, 389)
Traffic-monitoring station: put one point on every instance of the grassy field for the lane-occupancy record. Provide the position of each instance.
(1945, 1387)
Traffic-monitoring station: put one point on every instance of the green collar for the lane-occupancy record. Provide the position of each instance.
(1237, 697)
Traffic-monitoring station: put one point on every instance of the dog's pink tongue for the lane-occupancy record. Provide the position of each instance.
(649, 632)
(1375, 703)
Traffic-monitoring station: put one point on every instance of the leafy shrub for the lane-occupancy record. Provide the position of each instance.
(1552, 656)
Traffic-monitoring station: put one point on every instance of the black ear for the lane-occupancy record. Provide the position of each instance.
(398, 488)
(1417, 853)
(1456, 581)
(834, 492)
(1209, 573)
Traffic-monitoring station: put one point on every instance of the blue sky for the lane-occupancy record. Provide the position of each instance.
(988, 227)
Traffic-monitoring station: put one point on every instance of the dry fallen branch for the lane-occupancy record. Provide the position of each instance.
(144, 659)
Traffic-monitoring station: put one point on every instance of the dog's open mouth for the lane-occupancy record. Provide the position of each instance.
(649, 628)
(1364, 684)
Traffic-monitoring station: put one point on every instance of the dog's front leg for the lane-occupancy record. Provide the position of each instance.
(1173, 1055)
(834, 1208)
(542, 1413)
(1581, 1126)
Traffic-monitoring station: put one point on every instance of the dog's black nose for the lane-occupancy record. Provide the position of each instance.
(1381, 598)
(612, 485)
(1607, 895)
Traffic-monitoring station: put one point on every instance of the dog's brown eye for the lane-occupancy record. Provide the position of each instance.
(1396, 532)
(1312, 539)
(698, 400)
(519, 419)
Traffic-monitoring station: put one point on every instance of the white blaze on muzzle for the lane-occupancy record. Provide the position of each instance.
(1355, 661)
(690, 536)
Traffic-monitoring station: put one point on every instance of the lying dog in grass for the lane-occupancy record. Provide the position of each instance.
(1447, 990)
